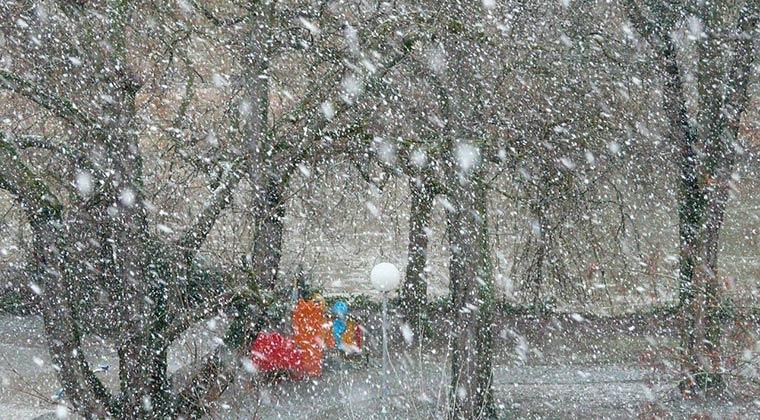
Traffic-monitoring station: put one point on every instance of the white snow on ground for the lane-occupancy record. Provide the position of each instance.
(562, 382)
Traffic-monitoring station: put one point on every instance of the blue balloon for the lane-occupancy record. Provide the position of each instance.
(340, 308)
(339, 327)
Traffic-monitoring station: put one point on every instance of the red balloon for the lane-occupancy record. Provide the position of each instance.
(272, 352)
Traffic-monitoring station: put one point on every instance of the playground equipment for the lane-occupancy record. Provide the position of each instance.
(302, 355)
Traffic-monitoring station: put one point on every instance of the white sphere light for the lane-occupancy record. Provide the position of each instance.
(385, 277)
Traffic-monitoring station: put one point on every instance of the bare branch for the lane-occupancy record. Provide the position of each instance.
(62, 107)
(35, 197)
(655, 30)
(31, 141)
(193, 238)
(191, 316)
(215, 374)
(217, 21)
(741, 69)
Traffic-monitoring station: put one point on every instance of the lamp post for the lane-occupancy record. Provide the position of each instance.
(385, 278)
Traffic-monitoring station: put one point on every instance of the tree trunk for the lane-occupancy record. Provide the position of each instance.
(414, 289)
(45, 215)
(707, 161)
(535, 255)
(471, 280)
(703, 292)
(264, 263)
(81, 387)
(267, 242)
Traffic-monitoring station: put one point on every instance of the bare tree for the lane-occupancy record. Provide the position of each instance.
(705, 136)
(100, 265)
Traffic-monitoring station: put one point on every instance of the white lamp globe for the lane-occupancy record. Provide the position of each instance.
(385, 277)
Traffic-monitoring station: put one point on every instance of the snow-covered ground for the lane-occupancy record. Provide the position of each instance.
(555, 368)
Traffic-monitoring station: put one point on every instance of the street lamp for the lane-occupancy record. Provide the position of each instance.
(385, 278)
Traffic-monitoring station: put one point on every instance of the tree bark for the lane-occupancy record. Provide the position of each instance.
(707, 161)
(267, 242)
(414, 289)
(471, 280)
